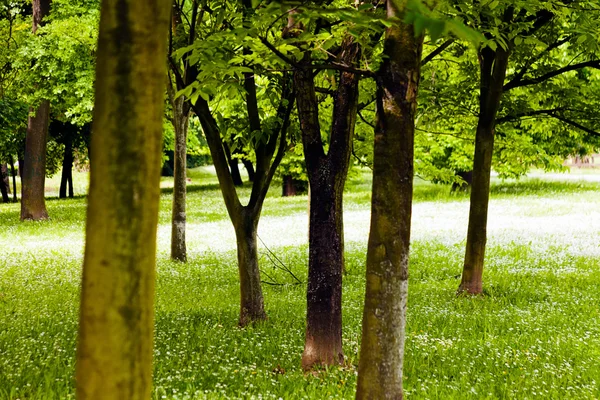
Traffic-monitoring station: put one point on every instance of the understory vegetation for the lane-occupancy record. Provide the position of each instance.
(534, 333)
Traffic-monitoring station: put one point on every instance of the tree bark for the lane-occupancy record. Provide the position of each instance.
(493, 66)
(233, 166)
(66, 178)
(180, 121)
(4, 183)
(384, 317)
(249, 168)
(33, 205)
(251, 297)
(327, 175)
(114, 354)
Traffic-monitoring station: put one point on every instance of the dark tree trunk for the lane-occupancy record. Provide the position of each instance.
(493, 66)
(327, 176)
(249, 168)
(4, 183)
(14, 179)
(180, 120)
(116, 323)
(33, 204)
(467, 177)
(384, 317)
(233, 167)
(251, 297)
(21, 168)
(323, 343)
(293, 187)
(66, 178)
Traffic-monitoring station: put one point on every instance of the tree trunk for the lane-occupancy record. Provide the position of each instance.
(251, 297)
(249, 168)
(33, 204)
(327, 175)
(323, 343)
(14, 179)
(66, 178)
(114, 353)
(4, 183)
(233, 167)
(384, 317)
(180, 120)
(493, 66)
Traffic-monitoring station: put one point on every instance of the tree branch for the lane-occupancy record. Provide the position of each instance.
(436, 52)
(550, 75)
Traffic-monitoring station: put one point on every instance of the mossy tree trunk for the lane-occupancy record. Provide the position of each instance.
(492, 65)
(327, 175)
(114, 353)
(384, 317)
(33, 204)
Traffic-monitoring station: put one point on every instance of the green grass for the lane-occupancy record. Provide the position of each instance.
(535, 333)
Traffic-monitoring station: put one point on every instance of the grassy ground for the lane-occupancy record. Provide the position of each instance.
(535, 334)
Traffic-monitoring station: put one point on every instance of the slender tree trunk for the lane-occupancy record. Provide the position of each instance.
(384, 317)
(493, 66)
(14, 179)
(249, 168)
(180, 120)
(21, 168)
(4, 183)
(116, 325)
(66, 178)
(33, 205)
(251, 297)
(327, 175)
(233, 166)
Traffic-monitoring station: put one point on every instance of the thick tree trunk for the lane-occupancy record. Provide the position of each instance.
(66, 178)
(233, 167)
(384, 317)
(114, 354)
(323, 343)
(4, 183)
(493, 66)
(33, 204)
(327, 175)
(180, 120)
(14, 179)
(293, 187)
(251, 297)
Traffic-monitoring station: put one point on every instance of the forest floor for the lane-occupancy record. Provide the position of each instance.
(534, 334)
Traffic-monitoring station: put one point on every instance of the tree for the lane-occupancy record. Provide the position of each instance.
(384, 318)
(220, 69)
(506, 27)
(114, 354)
(33, 205)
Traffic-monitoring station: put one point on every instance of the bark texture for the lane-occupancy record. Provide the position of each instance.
(180, 122)
(492, 65)
(33, 204)
(327, 175)
(384, 317)
(114, 354)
